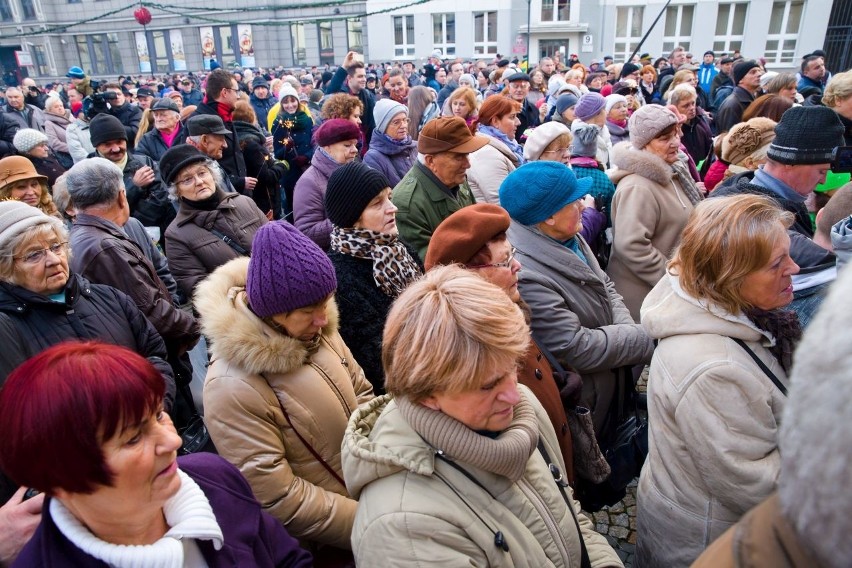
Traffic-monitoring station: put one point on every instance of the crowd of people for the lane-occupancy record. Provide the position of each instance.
(426, 299)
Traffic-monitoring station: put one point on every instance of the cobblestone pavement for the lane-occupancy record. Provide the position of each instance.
(618, 525)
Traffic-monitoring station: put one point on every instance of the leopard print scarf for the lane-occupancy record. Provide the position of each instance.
(393, 267)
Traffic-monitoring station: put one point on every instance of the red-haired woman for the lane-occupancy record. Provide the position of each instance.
(121, 496)
(489, 166)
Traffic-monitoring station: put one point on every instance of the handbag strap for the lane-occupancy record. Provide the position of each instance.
(585, 562)
(230, 242)
(307, 445)
(762, 365)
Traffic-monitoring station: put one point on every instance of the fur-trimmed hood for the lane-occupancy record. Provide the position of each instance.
(237, 335)
(629, 160)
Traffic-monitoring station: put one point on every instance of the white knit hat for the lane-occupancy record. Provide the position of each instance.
(28, 138)
(541, 137)
(287, 90)
(16, 217)
(612, 100)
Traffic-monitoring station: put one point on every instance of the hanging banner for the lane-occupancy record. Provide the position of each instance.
(208, 46)
(142, 52)
(246, 45)
(178, 54)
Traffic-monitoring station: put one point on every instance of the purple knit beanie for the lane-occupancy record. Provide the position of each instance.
(589, 106)
(287, 271)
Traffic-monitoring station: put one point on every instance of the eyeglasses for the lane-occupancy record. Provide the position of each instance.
(189, 181)
(399, 121)
(557, 151)
(505, 264)
(38, 256)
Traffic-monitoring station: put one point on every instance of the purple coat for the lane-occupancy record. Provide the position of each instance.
(390, 157)
(309, 199)
(252, 537)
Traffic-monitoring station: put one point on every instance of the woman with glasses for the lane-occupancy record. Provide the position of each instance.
(20, 181)
(489, 166)
(213, 224)
(392, 151)
(43, 303)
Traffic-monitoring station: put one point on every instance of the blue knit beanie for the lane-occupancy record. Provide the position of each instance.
(535, 191)
(287, 271)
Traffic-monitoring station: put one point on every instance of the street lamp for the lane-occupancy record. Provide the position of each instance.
(529, 32)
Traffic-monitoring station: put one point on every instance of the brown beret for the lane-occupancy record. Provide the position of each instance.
(461, 235)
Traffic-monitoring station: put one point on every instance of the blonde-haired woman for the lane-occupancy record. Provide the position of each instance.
(838, 97)
(457, 464)
(717, 385)
(463, 103)
(20, 181)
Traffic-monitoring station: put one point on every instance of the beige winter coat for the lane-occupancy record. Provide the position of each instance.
(649, 211)
(254, 371)
(416, 510)
(714, 419)
(489, 166)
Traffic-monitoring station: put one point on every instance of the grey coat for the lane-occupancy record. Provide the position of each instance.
(577, 314)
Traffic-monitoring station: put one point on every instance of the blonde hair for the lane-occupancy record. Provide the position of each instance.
(725, 240)
(469, 96)
(560, 141)
(469, 325)
(839, 88)
(144, 125)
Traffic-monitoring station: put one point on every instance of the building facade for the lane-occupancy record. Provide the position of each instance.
(183, 35)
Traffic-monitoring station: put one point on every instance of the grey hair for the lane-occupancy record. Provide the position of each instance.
(681, 92)
(215, 171)
(815, 448)
(421, 157)
(11, 246)
(94, 182)
(61, 197)
(195, 139)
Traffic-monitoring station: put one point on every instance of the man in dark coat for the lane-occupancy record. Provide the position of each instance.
(519, 87)
(221, 96)
(167, 131)
(747, 79)
(191, 95)
(129, 115)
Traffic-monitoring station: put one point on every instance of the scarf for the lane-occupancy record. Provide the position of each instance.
(505, 455)
(784, 327)
(297, 122)
(687, 184)
(208, 204)
(188, 515)
(393, 266)
(225, 113)
(516, 148)
(404, 143)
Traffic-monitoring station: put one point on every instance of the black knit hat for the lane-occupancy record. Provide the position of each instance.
(806, 135)
(177, 158)
(105, 127)
(350, 189)
(742, 68)
(627, 69)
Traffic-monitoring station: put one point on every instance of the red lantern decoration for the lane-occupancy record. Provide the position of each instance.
(142, 15)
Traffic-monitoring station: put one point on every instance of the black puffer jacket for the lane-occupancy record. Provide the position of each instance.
(30, 323)
(153, 145)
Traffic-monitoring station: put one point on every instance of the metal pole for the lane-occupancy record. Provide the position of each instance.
(638, 47)
(529, 33)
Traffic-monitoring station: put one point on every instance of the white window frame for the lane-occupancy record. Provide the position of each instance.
(447, 47)
(779, 53)
(355, 35)
(628, 42)
(681, 37)
(405, 49)
(554, 11)
(485, 47)
(729, 41)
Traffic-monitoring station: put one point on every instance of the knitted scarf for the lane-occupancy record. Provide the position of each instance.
(687, 184)
(784, 327)
(293, 122)
(393, 268)
(516, 148)
(506, 455)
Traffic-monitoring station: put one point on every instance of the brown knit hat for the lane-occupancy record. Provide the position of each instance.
(746, 138)
(461, 235)
(448, 134)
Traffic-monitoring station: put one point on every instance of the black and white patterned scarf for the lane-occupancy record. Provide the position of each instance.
(393, 266)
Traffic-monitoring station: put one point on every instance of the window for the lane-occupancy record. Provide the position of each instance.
(116, 66)
(552, 47)
(403, 36)
(555, 10)
(83, 52)
(730, 25)
(225, 45)
(326, 45)
(6, 11)
(444, 33)
(485, 33)
(354, 33)
(628, 30)
(28, 9)
(99, 54)
(39, 54)
(297, 35)
(678, 30)
(783, 31)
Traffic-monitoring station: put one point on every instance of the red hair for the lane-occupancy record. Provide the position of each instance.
(496, 107)
(59, 407)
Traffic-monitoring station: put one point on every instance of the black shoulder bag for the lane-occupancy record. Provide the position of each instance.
(230, 242)
(762, 365)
